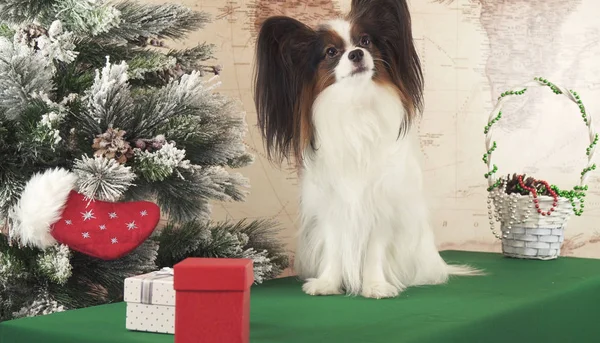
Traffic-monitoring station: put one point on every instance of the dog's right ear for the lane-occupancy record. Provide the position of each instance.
(285, 67)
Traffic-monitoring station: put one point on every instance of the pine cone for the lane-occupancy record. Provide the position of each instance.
(111, 144)
(158, 142)
(29, 33)
(72, 140)
(152, 144)
(143, 41)
(140, 144)
(156, 42)
(512, 185)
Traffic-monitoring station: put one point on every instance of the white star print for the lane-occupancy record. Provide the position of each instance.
(86, 235)
(112, 215)
(88, 215)
(144, 213)
(131, 226)
(102, 227)
(114, 240)
(68, 222)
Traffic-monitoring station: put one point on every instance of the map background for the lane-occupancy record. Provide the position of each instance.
(471, 51)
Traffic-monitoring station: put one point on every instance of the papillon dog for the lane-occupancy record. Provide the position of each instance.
(340, 101)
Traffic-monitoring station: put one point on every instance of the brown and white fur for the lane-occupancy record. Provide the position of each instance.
(341, 99)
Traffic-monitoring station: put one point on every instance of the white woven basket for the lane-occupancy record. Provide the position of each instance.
(526, 233)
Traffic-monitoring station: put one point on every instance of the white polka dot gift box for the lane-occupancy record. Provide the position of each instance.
(151, 302)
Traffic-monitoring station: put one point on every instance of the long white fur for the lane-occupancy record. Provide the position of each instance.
(41, 205)
(365, 221)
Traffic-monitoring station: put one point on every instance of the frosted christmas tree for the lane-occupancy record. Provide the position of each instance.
(90, 87)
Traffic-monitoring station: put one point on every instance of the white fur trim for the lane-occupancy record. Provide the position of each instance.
(41, 205)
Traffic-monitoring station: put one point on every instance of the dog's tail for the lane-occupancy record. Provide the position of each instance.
(464, 270)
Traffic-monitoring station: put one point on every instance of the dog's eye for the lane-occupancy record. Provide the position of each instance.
(365, 40)
(331, 52)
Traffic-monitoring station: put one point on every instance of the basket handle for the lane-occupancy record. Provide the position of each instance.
(496, 114)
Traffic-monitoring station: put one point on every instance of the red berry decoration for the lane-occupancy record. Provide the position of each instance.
(536, 201)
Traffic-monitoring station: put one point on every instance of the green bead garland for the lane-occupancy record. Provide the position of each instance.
(487, 129)
(489, 152)
(512, 93)
(578, 192)
(552, 86)
(589, 149)
(587, 169)
(494, 169)
(495, 185)
(489, 125)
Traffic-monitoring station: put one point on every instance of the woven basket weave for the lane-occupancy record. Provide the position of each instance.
(534, 237)
(526, 233)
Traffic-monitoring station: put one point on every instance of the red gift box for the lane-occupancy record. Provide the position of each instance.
(212, 300)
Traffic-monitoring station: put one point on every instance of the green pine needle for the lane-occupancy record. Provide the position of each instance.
(197, 239)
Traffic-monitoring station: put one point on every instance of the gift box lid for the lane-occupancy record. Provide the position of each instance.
(155, 288)
(213, 274)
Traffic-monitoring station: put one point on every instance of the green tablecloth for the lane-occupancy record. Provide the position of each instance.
(519, 301)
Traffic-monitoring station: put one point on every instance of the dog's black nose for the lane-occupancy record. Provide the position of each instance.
(356, 55)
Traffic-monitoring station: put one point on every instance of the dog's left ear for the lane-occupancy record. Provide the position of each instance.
(388, 22)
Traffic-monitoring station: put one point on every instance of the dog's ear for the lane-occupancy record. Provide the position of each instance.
(389, 24)
(286, 63)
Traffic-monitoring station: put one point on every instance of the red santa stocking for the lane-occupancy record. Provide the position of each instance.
(50, 211)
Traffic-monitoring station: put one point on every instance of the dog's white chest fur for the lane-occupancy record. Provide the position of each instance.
(365, 224)
(356, 139)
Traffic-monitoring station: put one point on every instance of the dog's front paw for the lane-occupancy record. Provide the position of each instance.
(321, 287)
(379, 290)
